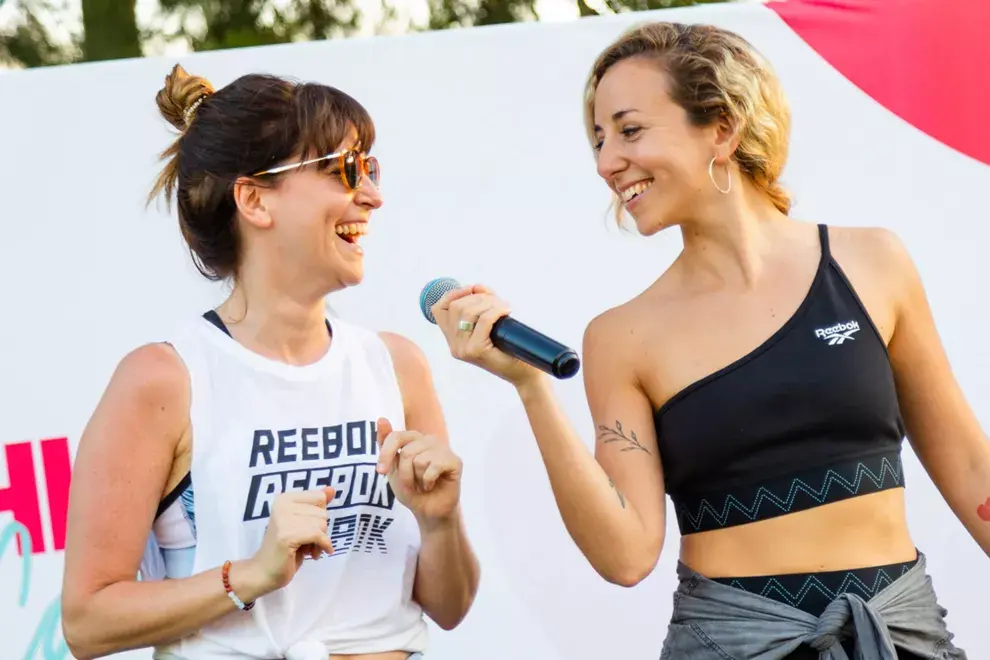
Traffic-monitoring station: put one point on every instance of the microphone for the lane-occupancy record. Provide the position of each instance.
(510, 336)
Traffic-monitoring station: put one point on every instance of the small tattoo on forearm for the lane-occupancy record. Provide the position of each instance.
(617, 435)
(622, 500)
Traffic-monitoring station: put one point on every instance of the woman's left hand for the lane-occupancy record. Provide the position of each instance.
(424, 473)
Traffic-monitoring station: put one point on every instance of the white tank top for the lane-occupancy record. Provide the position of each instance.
(259, 428)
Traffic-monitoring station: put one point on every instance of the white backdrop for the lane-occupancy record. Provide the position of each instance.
(487, 177)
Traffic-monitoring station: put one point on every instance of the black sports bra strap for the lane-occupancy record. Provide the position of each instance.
(214, 318)
(823, 237)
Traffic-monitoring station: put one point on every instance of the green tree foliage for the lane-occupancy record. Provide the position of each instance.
(216, 24)
(28, 41)
(36, 35)
(109, 30)
(465, 13)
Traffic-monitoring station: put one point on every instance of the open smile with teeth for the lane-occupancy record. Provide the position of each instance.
(635, 190)
(352, 231)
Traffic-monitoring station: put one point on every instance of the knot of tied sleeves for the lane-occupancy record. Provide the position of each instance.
(853, 616)
(748, 625)
(828, 632)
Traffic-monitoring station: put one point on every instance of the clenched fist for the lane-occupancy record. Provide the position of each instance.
(296, 529)
(425, 474)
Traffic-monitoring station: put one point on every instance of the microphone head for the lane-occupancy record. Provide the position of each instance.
(433, 292)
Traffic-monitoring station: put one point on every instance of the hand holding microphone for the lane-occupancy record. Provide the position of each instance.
(480, 331)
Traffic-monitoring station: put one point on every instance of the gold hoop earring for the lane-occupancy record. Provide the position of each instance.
(728, 175)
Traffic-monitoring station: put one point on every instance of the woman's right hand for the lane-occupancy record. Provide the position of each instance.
(479, 305)
(297, 528)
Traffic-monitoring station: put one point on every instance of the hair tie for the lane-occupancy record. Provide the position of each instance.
(188, 112)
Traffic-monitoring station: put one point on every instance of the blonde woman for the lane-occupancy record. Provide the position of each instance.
(764, 382)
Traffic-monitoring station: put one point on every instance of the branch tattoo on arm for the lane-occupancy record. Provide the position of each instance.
(630, 443)
(618, 435)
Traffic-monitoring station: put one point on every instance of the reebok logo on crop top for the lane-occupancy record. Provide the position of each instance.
(838, 333)
(791, 425)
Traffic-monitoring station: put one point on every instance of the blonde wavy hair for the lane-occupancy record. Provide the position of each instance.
(714, 74)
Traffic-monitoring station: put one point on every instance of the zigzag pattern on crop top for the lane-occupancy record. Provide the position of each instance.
(807, 418)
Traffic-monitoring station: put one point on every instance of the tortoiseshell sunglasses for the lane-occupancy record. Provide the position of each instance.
(353, 167)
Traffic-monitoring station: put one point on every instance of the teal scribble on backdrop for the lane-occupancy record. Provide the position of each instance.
(47, 642)
(21, 533)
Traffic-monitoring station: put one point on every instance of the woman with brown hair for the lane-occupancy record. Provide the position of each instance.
(260, 435)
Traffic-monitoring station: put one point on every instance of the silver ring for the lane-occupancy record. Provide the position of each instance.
(465, 326)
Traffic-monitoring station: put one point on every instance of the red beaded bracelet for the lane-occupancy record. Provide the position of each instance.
(230, 592)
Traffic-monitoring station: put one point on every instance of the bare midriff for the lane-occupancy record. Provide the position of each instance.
(865, 531)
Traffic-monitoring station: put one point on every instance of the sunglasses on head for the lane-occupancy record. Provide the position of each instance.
(352, 165)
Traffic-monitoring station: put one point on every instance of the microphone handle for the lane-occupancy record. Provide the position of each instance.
(523, 342)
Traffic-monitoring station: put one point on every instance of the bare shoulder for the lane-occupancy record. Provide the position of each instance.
(873, 242)
(614, 343)
(408, 358)
(634, 326)
(412, 371)
(137, 426)
(153, 374)
(880, 252)
(610, 330)
(145, 403)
